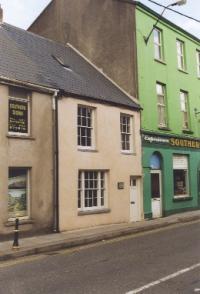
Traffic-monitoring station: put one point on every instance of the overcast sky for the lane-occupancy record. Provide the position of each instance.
(22, 13)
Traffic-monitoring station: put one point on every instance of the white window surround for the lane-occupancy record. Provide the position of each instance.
(158, 44)
(86, 127)
(28, 102)
(180, 175)
(180, 46)
(92, 190)
(161, 105)
(126, 131)
(184, 109)
(28, 193)
(198, 63)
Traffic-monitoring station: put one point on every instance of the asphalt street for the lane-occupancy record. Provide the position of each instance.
(165, 261)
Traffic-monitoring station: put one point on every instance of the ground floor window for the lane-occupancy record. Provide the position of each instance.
(91, 190)
(18, 192)
(180, 174)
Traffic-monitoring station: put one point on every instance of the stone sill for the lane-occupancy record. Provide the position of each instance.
(11, 223)
(87, 150)
(20, 137)
(178, 199)
(164, 129)
(183, 71)
(160, 61)
(98, 211)
(187, 132)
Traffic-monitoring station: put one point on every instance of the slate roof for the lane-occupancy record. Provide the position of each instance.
(27, 57)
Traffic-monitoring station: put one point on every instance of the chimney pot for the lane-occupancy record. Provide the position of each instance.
(1, 14)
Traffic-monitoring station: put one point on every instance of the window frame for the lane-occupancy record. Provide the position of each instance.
(185, 113)
(82, 190)
(186, 178)
(158, 45)
(129, 134)
(162, 105)
(92, 128)
(181, 60)
(198, 62)
(28, 193)
(28, 101)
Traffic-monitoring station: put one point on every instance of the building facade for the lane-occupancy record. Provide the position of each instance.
(70, 140)
(163, 73)
(169, 89)
(26, 159)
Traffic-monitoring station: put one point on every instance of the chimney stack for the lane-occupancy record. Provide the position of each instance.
(1, 14)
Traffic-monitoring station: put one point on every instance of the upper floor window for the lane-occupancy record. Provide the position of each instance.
(180, 46)
(85, 123)
(184, 109)
(198, 63)
(158, 44)
(161, 104)
(18, 111)
(126, 132)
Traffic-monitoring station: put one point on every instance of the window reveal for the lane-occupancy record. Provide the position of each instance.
(18, 108)
(18, 192)
(91, 190)
(158, 47)
(184, 109)
(161, 104)
(125, 127)
(180, 176)
(198, 63)
(180, 54)
(85, 126)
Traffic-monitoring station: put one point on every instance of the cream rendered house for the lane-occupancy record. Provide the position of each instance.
(70, 139)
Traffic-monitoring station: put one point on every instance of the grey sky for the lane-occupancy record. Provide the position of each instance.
(22, 13)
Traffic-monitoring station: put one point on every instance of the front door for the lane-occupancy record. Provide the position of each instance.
(134, 200)
(156, 201)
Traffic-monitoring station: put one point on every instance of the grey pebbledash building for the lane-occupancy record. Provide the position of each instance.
(66, 133)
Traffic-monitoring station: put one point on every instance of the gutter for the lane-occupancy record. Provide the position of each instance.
(55, 162)
(14, 82)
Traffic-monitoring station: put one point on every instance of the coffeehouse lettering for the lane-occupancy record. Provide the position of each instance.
(171, 141)
(18, 116)
(184, 143)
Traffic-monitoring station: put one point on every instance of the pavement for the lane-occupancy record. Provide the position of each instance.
(58, 241)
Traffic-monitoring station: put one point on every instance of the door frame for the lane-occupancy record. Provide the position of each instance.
(138, 199)
(159, 172)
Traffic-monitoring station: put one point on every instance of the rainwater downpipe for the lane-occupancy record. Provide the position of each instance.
(55, 162)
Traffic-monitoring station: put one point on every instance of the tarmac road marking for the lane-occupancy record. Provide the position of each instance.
(164, 279)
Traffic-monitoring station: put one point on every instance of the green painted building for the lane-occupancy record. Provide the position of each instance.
(169, 92)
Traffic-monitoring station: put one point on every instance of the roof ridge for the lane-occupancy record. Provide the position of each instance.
(31, 33)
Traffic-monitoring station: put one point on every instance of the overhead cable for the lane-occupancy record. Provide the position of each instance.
(187, 16)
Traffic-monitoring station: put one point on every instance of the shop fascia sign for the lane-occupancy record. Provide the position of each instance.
(171, 141)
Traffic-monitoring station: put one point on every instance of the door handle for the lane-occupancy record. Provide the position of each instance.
(132, 202)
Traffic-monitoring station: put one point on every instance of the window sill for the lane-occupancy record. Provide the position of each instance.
(97, 211)
(128, 152)
(20, 137)
(187, 132)
(160, 61)
(183, 71)
(182, 198)
(87, 149)
(164, 129)
(11, 223)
